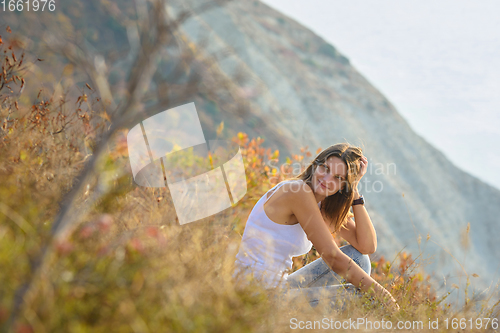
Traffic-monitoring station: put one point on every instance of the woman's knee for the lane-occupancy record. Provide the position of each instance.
(365, 263)
(363, 260)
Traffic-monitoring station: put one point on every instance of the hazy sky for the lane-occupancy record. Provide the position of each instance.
(438, 62)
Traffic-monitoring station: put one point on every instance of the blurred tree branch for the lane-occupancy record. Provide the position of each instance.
(157, 31)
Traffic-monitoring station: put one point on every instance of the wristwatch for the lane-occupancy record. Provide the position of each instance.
(359, 201)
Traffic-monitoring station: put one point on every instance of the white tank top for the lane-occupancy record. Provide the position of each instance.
(267, 247)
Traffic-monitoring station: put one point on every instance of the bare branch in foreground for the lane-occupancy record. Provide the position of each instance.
(143, 69)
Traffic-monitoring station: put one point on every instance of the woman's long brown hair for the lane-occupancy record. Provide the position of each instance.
(336, 206)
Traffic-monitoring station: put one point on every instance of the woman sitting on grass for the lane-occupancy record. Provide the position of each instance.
(304, 211)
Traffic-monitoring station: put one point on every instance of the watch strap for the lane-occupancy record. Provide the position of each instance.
(359, 201)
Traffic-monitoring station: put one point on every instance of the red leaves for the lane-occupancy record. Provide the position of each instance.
(87, 231)
(64, 247)
(81, 99)
(104, 222)
(24, 328)
(4, 314)
(136, 244)
(152, 232)
(8, 72)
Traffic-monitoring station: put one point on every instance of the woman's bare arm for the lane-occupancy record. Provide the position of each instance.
(360, 233)
(304, 207)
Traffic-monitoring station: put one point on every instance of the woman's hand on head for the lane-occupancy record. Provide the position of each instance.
(363, 166)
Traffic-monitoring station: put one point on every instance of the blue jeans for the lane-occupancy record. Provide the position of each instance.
(317, 281)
